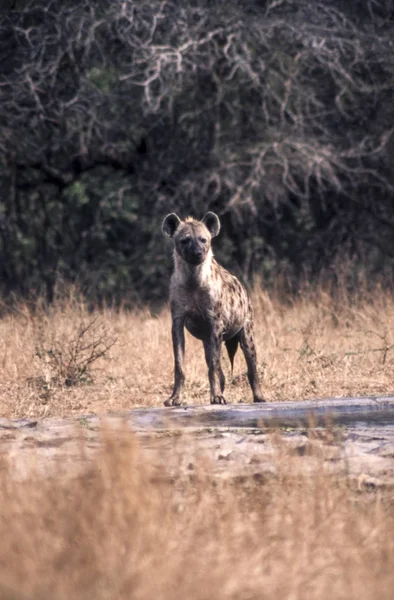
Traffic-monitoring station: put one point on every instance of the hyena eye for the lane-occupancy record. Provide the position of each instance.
(185, 240)
(203, 240)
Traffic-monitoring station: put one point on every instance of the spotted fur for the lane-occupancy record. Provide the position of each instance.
(210, 302)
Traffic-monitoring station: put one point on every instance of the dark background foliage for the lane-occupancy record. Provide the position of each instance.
(276, 114)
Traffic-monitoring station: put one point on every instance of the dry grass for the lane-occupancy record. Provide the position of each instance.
(124, 531)
(314, 347)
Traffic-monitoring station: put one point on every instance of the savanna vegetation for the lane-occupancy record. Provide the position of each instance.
(278, 115)
(68, 359)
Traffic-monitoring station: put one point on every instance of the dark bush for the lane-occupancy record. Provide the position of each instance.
(277, 115)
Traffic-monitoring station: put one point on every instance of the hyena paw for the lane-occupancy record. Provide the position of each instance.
(259, 399)
(173, 401)
(218, 400)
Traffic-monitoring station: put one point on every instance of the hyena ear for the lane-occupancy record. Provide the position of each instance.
(170, 225)
(212, 223)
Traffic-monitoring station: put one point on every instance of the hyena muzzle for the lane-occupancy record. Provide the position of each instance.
(210, 302)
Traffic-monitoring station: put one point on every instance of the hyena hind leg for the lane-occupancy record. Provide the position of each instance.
(248, 348)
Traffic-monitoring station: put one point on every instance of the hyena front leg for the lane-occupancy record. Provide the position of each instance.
(212, 348)
(249, 350)
(178, 343)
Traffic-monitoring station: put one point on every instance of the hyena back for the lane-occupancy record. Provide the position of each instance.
(210, 302)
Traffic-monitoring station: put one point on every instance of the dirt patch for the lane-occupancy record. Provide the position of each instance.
(237, 440)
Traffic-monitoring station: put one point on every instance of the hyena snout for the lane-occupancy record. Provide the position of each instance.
(193, 251)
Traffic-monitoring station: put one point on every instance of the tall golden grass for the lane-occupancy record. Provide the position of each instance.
(125, 531)
(313, 346)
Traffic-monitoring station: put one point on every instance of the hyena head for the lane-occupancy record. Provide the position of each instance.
(192, 239)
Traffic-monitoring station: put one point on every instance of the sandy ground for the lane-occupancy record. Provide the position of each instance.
(353, 436)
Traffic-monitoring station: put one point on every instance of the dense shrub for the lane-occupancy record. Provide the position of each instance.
(278, 115)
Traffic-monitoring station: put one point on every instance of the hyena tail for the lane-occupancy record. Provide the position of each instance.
(232, 347)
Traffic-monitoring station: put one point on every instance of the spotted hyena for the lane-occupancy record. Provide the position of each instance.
(210, 302)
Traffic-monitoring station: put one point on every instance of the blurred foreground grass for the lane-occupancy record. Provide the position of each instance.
(126, 530)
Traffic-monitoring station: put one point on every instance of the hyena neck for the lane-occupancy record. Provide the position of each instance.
(193, 275)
